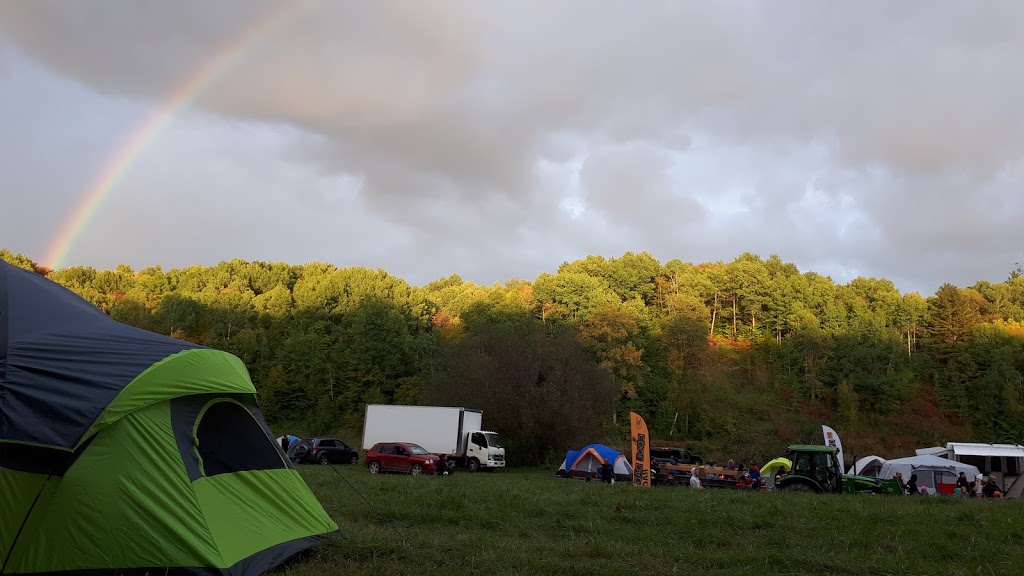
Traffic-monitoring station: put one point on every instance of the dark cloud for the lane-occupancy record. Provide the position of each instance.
(495, 140)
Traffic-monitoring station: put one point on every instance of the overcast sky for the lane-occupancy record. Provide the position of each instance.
(500, 139)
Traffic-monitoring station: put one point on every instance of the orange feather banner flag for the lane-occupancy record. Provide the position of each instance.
(641, 451)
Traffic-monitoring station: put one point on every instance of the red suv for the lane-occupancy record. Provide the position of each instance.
(400, 457)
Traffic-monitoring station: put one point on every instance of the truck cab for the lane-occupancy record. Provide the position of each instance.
(484, 450)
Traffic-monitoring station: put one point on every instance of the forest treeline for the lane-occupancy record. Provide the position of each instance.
(736, 359)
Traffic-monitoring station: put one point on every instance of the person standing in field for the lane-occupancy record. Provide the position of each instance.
(990, 489)
(754, 473)
(899, 479)
(962, 482)
(912, 486)
(876, 488)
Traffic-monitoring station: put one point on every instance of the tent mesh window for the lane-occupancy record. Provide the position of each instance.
(230, 440)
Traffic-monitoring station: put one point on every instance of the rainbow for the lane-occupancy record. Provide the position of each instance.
(147, 132)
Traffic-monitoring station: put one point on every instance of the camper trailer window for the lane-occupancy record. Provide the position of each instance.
(976, 461)
(997, 464)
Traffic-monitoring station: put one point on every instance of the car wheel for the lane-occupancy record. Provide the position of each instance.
(473, 465)
(354, 459)
(323, 459)
(374, 467)
(416, 470)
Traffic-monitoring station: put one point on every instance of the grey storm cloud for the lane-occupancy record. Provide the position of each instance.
(877, 138)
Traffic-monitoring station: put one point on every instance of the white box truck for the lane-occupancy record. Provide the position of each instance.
(455, 432)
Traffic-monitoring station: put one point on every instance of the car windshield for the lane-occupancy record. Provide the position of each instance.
(493, 440)
(418, 450)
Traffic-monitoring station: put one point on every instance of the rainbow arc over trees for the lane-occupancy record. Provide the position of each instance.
(258, 31)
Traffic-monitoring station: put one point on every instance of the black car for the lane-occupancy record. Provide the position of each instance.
(323, 451)
(671, 453)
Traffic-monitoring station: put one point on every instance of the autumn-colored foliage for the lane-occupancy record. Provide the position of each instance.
(737, 357)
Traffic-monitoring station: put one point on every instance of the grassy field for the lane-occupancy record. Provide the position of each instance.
(529, 522)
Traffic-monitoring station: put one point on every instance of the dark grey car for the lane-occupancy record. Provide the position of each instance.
(323, 451)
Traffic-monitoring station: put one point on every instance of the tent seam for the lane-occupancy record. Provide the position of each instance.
(24, 521)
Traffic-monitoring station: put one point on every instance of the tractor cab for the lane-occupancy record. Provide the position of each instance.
(815, 469)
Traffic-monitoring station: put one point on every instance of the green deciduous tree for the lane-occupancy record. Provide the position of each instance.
(571, 296)
(610, 333)
(537, 387)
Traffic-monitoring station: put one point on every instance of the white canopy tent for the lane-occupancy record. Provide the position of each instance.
(867, 466)
(936, 473)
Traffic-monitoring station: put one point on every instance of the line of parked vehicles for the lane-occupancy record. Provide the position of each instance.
(437, 437)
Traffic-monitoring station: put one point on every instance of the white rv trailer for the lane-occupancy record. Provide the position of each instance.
(1003, 462)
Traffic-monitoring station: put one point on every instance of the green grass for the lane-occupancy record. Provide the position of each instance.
(529, 522)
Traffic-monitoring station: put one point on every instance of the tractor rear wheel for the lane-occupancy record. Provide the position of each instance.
(799, 487)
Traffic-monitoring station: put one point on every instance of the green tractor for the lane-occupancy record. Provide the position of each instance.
(816, 469)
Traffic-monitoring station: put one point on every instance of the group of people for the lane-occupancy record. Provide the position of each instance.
(745, 478)
(965, 488)
(969, 488)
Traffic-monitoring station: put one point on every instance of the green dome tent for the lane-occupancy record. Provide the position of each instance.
(124, 451)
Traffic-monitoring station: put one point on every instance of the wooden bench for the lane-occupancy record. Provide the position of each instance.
(687, 469)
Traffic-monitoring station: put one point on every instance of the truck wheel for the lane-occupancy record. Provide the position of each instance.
(374, 467)
(473, 465)
(354, 459)
(416, 470)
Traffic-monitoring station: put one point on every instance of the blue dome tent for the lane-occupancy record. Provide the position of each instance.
(587, 461)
